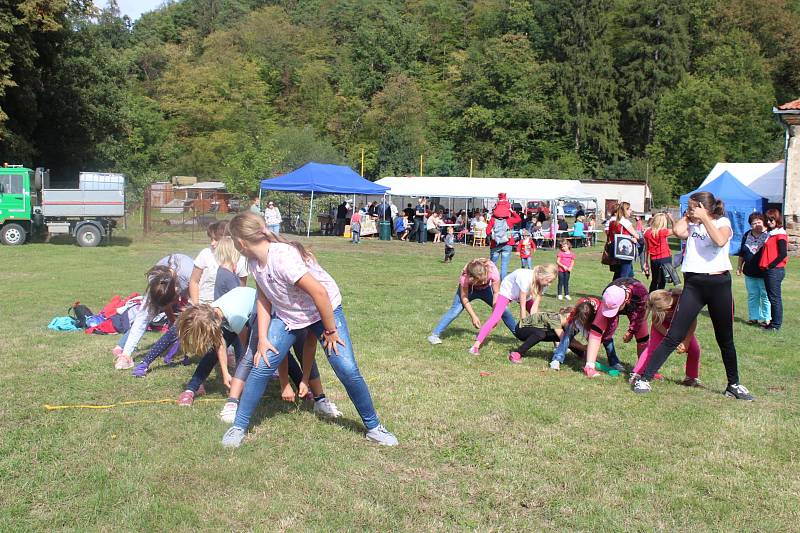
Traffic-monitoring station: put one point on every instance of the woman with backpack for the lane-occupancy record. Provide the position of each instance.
(501, 239)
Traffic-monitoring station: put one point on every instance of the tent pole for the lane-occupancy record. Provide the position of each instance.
(310, 209)
(260, 190)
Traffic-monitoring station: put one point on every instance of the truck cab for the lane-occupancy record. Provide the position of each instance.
(16, 207)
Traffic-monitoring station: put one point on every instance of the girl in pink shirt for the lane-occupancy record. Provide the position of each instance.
(294, 293)
(565, 261)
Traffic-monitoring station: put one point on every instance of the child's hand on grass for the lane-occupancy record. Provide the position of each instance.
(627, 337)
(287, 394)
(476, 322)
(302, 389)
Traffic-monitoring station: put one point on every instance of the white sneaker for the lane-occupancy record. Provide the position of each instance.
(434, 339)
(233, 437)
(382, 436)
(326, 409)
(555, 365)
(228, 413)
(124, 362)
(560, 297)
(568, 297)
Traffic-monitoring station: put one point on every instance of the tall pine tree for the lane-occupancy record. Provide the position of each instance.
(652, 56)
(585, 74)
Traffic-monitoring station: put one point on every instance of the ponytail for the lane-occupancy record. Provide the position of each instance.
(250, 227)
(161, 282)
(714, 206)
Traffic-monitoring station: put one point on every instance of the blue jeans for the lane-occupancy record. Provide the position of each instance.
(563, 283)
(624, 270)
(123, 339)
(758, 306)
(560, 353)
(420, 231)
(486, 295)
(209, 360)
(502, 252)
(526, 262)
(772, 281)
(356, 236)
(344, 366)
(274, 228)
(245, 365)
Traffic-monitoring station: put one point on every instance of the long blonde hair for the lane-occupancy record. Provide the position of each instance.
(540, 273)
(199, 329)
(226, 253)
(250, 227)
(658, 222)
(660, 302)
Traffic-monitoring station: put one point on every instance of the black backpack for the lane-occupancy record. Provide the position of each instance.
(79, 313)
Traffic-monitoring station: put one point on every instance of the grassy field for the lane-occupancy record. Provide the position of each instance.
(484, 445)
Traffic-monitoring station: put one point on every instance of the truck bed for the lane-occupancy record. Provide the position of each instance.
(83, 203)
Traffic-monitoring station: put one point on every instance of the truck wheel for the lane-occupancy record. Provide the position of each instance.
(13, 234)
(88, 236)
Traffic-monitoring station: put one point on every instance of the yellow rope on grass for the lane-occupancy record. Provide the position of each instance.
(48, 407)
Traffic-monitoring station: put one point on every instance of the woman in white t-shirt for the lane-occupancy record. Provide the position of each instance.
(707, 272)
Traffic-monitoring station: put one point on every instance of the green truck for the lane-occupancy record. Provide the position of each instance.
(28, 205)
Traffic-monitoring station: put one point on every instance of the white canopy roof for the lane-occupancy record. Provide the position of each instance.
(203, 185)
(453, 187)
(765, 179)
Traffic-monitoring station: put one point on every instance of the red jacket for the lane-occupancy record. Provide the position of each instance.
(774, 248)
(511, 221)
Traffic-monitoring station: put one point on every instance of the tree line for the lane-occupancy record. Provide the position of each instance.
(243, 89)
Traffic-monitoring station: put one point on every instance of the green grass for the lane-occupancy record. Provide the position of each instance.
(523, 448)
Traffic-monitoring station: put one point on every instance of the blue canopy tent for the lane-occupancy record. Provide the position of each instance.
(318, 178)
(740, 202)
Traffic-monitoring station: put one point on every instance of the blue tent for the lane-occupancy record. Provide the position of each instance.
(322, 179)
(739, 200)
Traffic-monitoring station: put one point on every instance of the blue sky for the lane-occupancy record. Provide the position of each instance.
(134, 8)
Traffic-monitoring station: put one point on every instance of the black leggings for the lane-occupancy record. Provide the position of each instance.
(658, 281)
(700, 290)
(532, 336)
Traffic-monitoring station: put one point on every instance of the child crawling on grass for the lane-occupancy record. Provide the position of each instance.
(542, 326)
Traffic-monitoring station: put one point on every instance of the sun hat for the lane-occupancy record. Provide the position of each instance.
(613, 298)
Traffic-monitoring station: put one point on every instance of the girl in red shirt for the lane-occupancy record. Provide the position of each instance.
(657, 249)
(773, 261)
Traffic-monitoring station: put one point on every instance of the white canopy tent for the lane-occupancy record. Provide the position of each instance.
(765, 179)
(456, 187)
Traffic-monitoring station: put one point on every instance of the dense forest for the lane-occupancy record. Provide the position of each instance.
(243, 89)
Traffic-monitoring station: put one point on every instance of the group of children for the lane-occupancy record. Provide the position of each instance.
(595, 318)
(296, 305)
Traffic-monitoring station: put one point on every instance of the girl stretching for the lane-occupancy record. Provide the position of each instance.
(301, 294)
(167, 285)
(480, 280)
(625, 296)
(707, 273)
(523, 285)
(661, 306)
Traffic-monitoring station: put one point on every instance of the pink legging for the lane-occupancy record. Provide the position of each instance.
(692, 356)
(494, 318)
